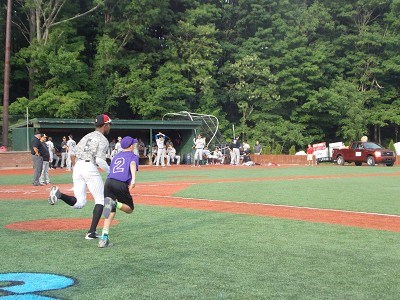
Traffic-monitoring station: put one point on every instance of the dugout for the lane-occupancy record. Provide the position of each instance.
(181, 132)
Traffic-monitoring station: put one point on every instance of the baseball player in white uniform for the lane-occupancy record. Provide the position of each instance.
(199, 144)
(171, 155)
(118, 147)
(71, 144)
(50, 145)
(161, 152)
(90, 152)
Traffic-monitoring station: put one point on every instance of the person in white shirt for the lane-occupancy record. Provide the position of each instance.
(199, 145)
(245, 146)
(71, 144)
(217, 156)
(118, 147)
(171, 155)
(161, 151)
(50, 145)
(90, 154)
(206, 154)
(135, 147)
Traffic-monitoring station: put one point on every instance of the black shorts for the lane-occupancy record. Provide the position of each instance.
(119, 191)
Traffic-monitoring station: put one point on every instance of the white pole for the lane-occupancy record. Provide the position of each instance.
(27, 129)
(233, 129)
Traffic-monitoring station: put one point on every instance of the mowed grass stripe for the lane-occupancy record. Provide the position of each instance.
(375, 194)
(167, 253)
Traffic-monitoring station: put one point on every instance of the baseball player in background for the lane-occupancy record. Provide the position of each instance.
(50, 145)
(90, 152)
(71, 144)
(171, 155)
(118, 148)
(199, 144)
(235, 151)
(119, 184)
(161, 152)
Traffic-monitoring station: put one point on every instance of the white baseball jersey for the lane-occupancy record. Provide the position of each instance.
(71, 144)
(199, 143)
(91, 146)
(160, 142)
(118, 147)
(50, 145)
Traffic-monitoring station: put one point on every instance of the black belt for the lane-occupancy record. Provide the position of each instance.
(87, 160)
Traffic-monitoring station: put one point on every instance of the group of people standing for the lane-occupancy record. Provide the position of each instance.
(164, 150)
(40, 157)
(240, 152)
(67, 151)
(45, 157)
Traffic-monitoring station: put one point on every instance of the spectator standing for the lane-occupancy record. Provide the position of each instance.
(71, 144)
(45, 153)
(199, 145)
(90, 152)
(37, 159)
(246, 147)
(119, 184)
(257, 148)
(310, 155)
(235, 151)
(63, 151)
(161, 151)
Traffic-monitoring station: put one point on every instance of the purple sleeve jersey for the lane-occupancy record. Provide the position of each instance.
(120, 166)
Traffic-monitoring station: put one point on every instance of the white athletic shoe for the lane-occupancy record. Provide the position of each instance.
(55, 194)
(109, 206)
(104, 242)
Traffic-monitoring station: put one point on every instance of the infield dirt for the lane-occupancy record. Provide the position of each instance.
(161, 194)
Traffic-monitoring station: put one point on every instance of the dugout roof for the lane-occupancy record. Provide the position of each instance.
(144, 129)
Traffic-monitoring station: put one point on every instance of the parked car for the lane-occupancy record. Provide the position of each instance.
(364, 152)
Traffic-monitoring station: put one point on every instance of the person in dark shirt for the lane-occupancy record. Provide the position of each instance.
(37, 158)
(63, 151)
(247, 159)
(235, 151)
(119, 183)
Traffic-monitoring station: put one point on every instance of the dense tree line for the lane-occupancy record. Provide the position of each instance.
(282, 71)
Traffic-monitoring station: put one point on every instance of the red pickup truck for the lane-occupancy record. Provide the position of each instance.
(368, 152)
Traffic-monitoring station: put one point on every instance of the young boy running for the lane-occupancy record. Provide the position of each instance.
(119, 184)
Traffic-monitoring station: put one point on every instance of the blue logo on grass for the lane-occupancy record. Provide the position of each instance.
(23, 286)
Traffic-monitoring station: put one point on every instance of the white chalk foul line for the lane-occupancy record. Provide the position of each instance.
(273, 205)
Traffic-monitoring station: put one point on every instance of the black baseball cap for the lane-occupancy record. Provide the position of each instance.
(101, 120)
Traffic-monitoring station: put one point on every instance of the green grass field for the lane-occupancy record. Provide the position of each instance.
(170, 253)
